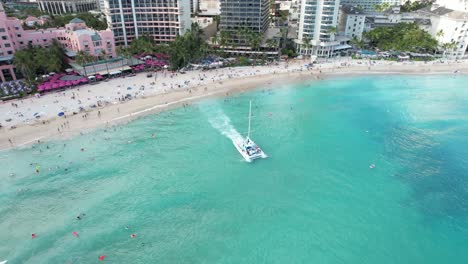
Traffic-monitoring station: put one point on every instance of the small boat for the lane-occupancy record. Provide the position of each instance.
(247, 147)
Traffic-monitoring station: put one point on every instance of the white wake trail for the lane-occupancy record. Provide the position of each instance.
(221, 122)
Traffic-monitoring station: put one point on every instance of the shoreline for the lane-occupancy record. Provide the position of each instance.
(162, 100)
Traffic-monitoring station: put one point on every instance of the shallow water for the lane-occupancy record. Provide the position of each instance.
(190, 198)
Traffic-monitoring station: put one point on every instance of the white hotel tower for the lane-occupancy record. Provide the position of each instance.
(317, 19)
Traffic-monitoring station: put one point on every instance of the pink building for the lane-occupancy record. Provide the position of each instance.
(74, 37)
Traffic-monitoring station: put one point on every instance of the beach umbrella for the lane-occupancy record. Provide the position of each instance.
(61, 114)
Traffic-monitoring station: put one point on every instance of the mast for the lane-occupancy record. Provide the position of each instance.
(250, 113)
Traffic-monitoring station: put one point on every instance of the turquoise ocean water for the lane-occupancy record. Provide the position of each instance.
(190, 198)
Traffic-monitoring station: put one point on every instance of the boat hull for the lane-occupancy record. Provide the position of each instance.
(245, 155)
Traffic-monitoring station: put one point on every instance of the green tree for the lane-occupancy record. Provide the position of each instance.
(224, 37)
(217, 20)
(105, 57)
(382, 7)
(357, 43)
(410, 6)
(22, 61)
(81, 59)
(40, 59)
(306, 43)
(402, 37)
(56, 54)
(187, 48)
(255, 41)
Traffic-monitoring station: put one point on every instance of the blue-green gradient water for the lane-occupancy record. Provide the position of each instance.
(190, 198)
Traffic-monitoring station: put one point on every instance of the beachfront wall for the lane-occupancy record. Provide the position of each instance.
(76, 36)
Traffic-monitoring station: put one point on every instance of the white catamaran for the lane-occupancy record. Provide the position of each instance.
(246, 147)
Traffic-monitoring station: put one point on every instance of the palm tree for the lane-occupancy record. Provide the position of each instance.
(215, 39)
(382, 7)
(56, 54)
(440, 33)
(332, 30)
(82, 58)
(255, 40)
(224, 37)
(449, 46)
(272, 43)
(126, 53)
(356, 42)
(40, 59)
(306, 44)
(22, 60)
(104, 56)
(217, 20)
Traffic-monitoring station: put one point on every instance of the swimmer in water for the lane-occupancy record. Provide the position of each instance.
(82, 149)
(132, 235)
(80, 216)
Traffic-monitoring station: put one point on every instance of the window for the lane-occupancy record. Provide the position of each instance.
(7, 45)
(18, 35)
(21, 43)
(2, 30)
(4, 37)
(10, 52)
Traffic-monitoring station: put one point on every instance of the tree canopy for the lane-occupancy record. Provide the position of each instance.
(402, 37)
(410, 6)
(37, 60)
(187, 48)
(91, 21)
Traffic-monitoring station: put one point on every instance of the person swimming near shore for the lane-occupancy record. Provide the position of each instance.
(80, 216)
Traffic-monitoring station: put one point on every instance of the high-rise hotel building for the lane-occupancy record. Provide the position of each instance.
(317, 21)
(161, 20)
(251, 15)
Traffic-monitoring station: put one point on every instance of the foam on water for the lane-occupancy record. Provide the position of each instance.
(221, 122)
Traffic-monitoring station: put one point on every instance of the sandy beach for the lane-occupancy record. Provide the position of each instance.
(104, 103)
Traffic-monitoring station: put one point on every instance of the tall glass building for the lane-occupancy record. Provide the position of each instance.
(161, 20)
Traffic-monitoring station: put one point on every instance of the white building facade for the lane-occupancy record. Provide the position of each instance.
(209, 7)
(316, 21)
(457, 5)
(352, 21)
(449, 26)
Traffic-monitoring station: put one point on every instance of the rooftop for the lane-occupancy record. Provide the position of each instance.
(445, 12)
(351, 10)
(89, 32)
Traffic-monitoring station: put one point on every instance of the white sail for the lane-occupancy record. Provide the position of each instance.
(247, 147)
